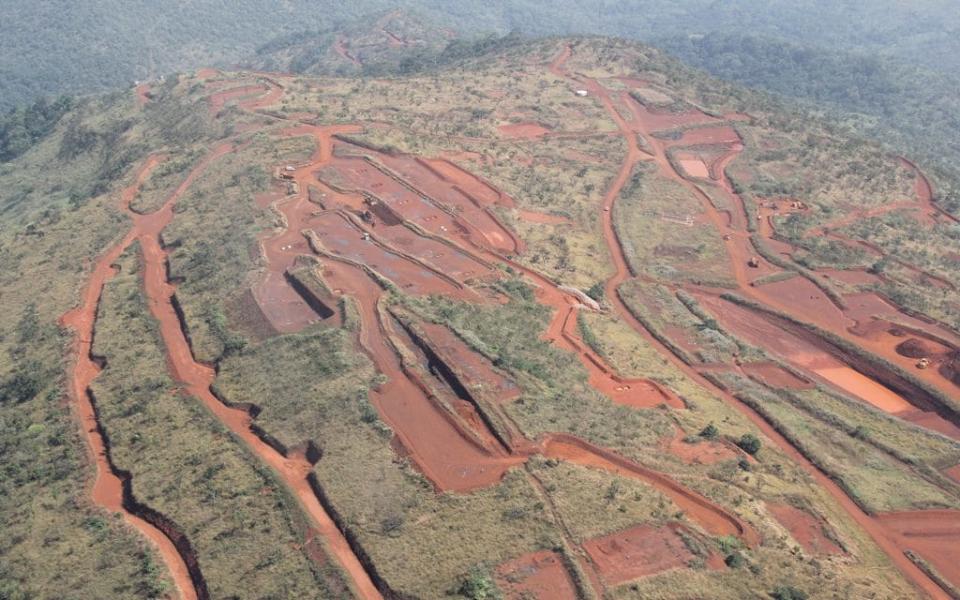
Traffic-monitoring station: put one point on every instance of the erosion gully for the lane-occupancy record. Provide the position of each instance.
(884, 530)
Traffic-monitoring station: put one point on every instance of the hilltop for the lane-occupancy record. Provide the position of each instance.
(560, 318)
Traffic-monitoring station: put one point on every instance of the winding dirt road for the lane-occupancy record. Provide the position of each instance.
(889, 541)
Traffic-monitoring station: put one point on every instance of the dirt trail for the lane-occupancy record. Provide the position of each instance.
(883, 537)
(108, 486)
(197, 378)
(340, 47)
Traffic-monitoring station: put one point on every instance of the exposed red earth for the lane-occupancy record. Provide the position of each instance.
(536, 575)
(714, 519)
(143, 94)
(642, 551)
(542, 218)
(525, 131)
(933, 534)
(644, 122)
(374, 220)
(293, 470)
(701, 452)
(340, 47)
(108, 486)
(807, 530)
(775, 376)
(457, 452)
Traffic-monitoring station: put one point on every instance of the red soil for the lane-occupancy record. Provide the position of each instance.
(806, 529)
(340, 47)
(700, 452)
(539, 575)
(440, 450)
(143, 94)
(876, 530)
(803, 355)
(197, 378)
(708, 136)
(460, 193)
(219, 99)
(637, 393)
(807, 302)
(542, 218)
(476, 371)
(953, 473)
(342, 238)
(478, 190)
(773, 375)
(641, 551)
(107, 491)
(657, 120)
(693, 166)
(933, 534)
(472, 225)
(850, 276)
(931, 421)
(714, 519)
(524, 131)
(450, 457)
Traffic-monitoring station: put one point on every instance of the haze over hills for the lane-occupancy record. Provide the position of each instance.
(49, 47)
(393, 313)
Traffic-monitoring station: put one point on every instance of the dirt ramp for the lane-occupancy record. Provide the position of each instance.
(714, 519)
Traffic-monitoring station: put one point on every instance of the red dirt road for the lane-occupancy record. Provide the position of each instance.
(197, 378)
(107, 491)
(883, 537)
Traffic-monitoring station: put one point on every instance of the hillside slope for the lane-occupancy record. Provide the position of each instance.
(561, 319)
(880, 97)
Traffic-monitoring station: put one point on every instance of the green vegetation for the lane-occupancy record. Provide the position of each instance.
(21, 128)
(749, 443)
(312, 388)
(656, 222)
(882, 97)
(243, 525)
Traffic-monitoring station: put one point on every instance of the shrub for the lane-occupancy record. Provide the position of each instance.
(734, 560)
(478, 585)
(710, 432)
(787, 592)
(596, 291)
(749, 443)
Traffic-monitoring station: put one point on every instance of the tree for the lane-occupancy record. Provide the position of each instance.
(710, 432)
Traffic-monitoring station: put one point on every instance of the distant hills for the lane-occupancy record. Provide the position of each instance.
(49, 47)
